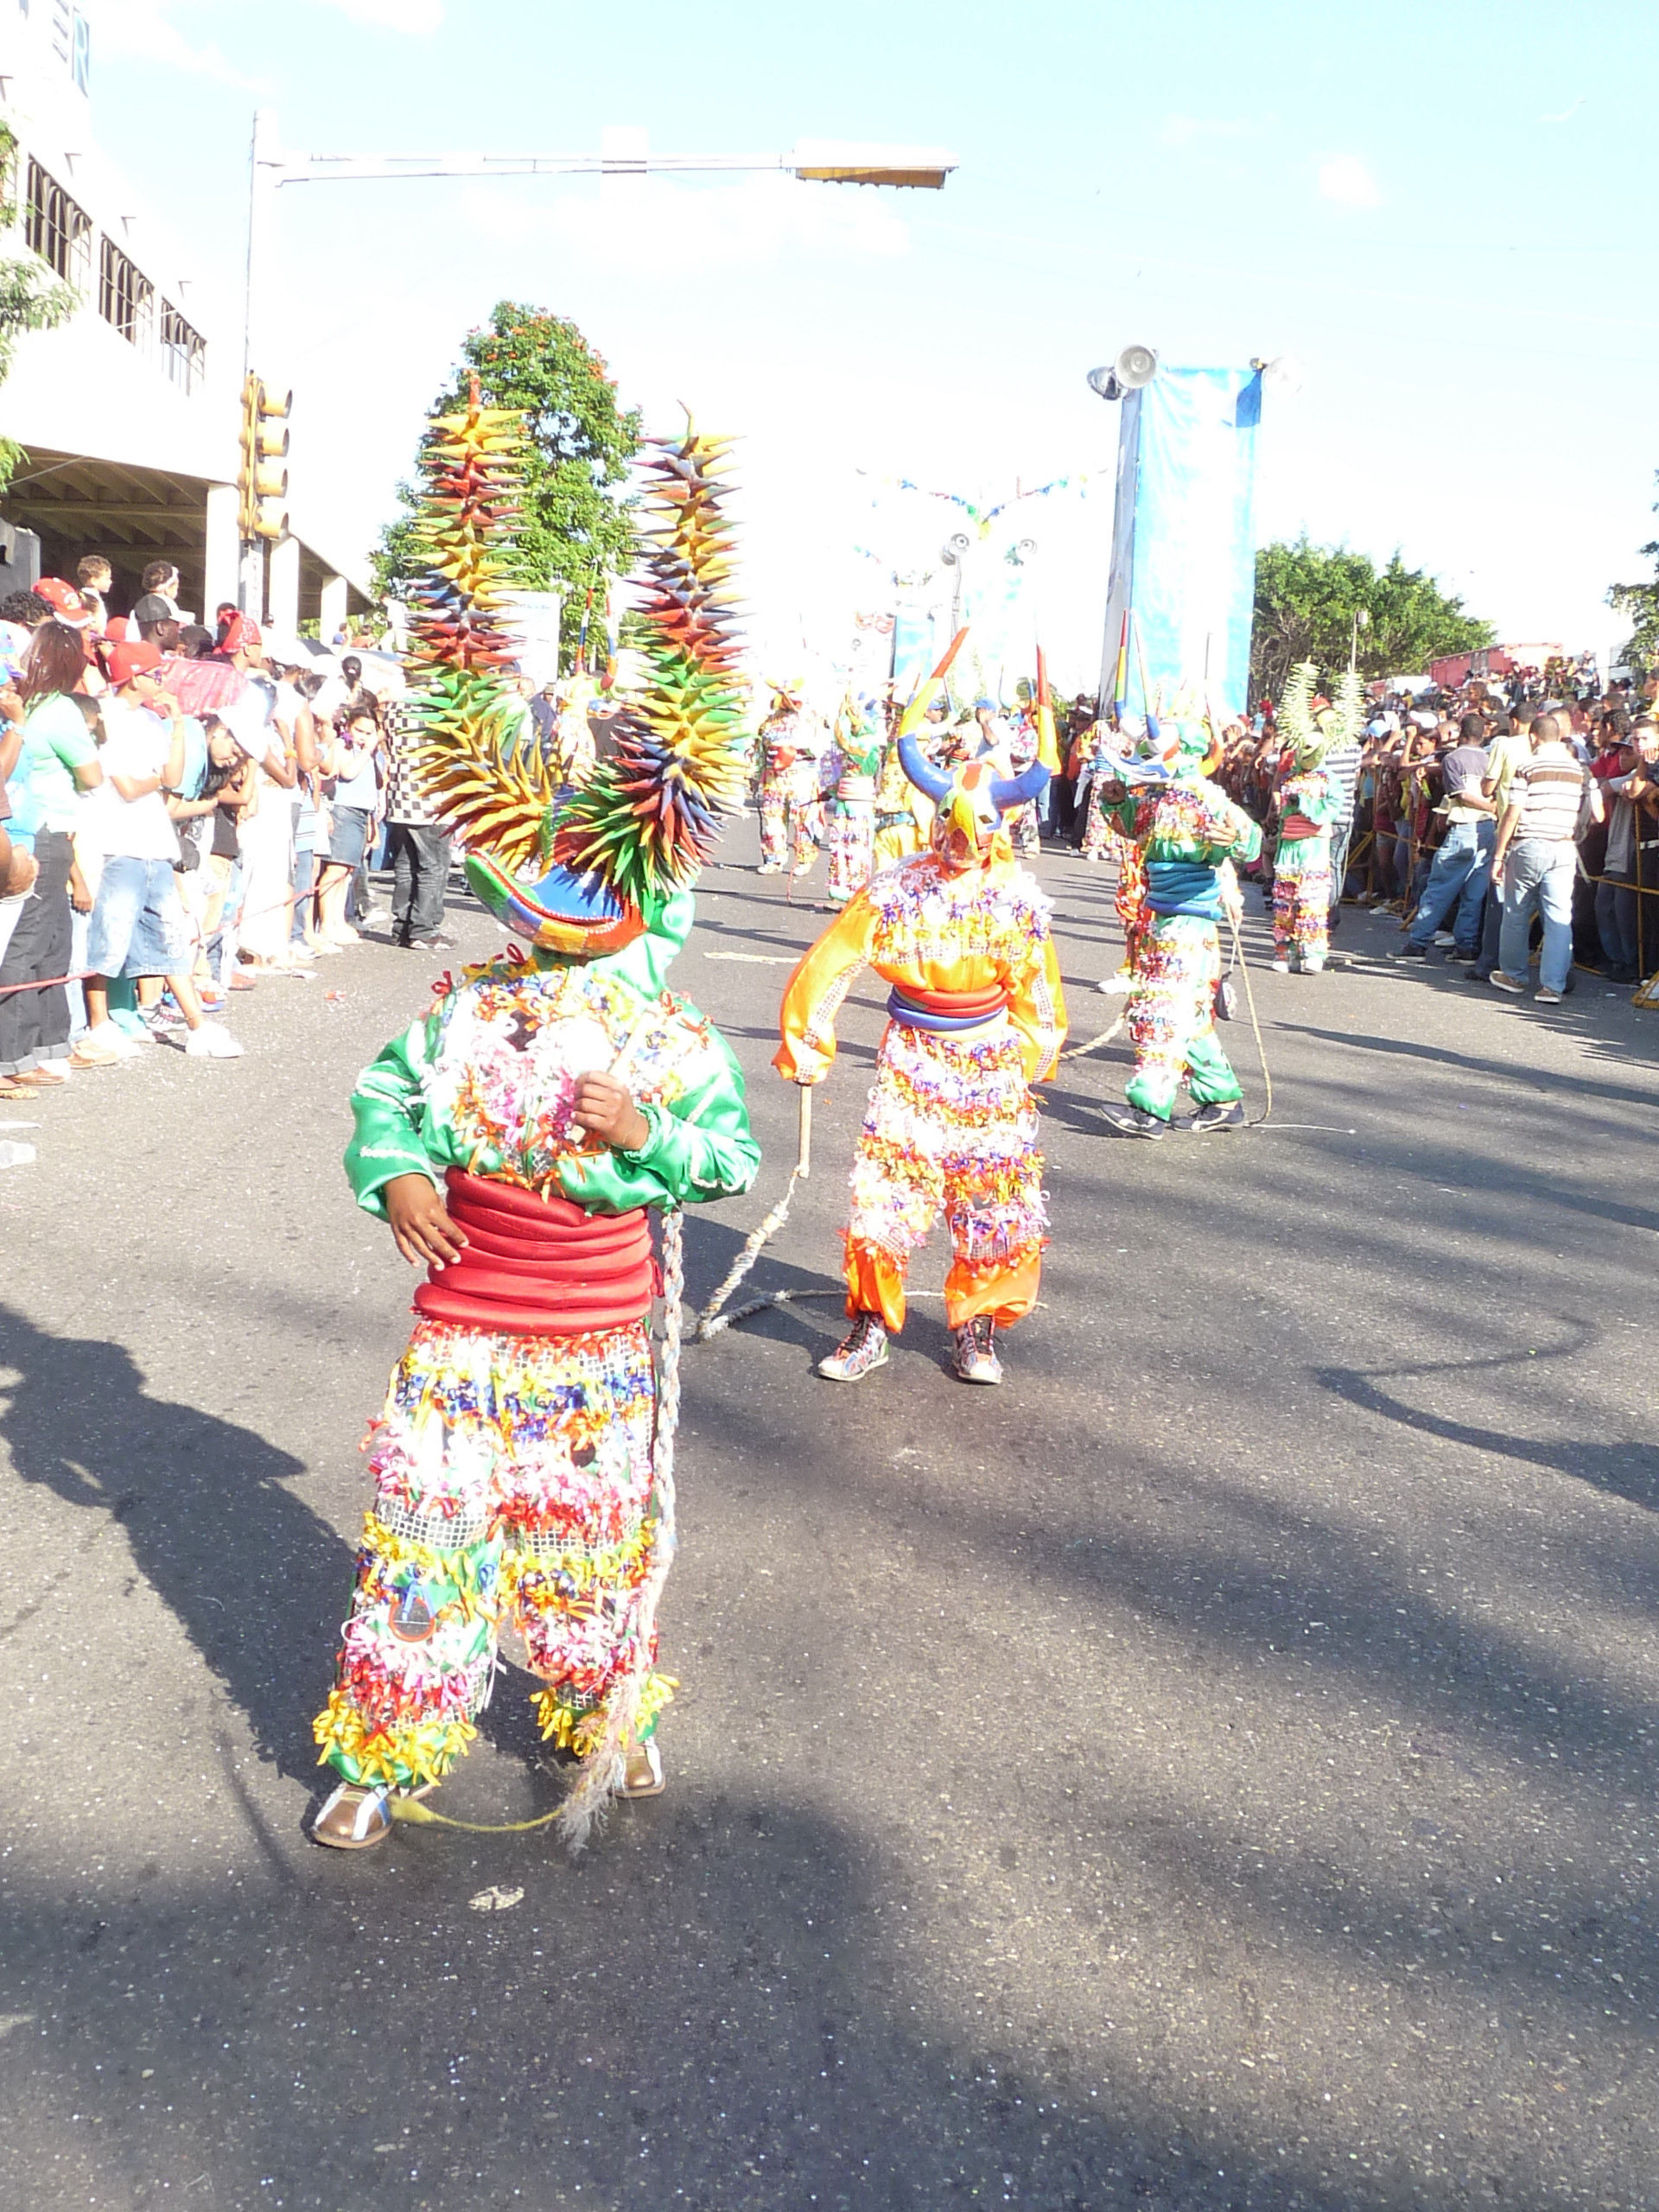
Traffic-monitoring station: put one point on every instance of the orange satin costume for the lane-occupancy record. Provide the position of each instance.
(976, 1015)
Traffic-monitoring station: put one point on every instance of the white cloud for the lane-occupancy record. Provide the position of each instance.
(721, 225)
(1181, 130)
(418, 17)
(1346, 180)
(142, 30)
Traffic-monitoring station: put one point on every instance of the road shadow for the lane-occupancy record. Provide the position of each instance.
(258, 1582)
(731, 2005)
(1621, 1469)
(1504, 1071)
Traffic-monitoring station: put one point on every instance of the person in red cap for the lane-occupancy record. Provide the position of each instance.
(64, 600)
(138, 925)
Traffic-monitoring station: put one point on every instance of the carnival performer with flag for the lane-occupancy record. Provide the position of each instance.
(1309, 801)
(854, 764)
(961, 935)
(1187, 832)
(516, 1140)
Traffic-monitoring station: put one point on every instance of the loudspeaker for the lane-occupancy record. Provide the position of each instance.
(1134, 366)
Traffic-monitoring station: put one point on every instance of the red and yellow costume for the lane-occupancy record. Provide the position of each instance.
(976, 1015)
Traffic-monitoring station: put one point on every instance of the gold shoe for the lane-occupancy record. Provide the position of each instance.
(643, 1775)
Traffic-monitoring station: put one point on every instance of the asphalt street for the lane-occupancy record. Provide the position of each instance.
(1215, 1769)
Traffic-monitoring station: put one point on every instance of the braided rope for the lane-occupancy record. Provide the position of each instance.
(602, 1772)
(1077, 1051)
(711, 1320)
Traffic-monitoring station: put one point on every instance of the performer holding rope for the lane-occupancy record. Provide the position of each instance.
(960, 933)
(1187, 830)
(516, 1140)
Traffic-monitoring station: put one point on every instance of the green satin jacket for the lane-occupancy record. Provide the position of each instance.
(483, 1083)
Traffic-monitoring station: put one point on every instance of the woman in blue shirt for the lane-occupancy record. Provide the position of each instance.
(56, 761)
(353, 791)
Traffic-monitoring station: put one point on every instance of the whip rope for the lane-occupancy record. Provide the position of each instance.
(1077, 1051)
(1243, 967)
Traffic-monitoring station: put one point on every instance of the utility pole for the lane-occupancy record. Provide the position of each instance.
(812, 161)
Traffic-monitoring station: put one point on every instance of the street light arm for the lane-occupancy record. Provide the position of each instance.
(830, 161)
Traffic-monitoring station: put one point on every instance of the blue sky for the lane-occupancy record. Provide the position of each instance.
(1441, 212)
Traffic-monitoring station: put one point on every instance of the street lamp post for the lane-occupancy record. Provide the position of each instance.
(813, 161)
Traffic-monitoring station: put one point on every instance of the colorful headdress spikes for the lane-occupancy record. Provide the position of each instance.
(581, 873)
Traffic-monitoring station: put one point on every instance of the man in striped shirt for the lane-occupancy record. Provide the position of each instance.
(1536, 857)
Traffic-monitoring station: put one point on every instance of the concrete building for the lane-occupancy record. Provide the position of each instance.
(129, 411)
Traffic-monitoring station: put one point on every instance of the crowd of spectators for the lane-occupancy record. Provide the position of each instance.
(1483, 818)
(184, 811)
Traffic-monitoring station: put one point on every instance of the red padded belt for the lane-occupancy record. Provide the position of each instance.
(987, 1001)
(538, 1265)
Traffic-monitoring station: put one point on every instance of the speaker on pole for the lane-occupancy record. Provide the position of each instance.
(1134, 366)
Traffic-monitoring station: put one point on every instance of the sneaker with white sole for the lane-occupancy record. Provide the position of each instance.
(1219, 1114)
(863, 1350)
(1500, 982)
(104, 1037)
(1545, 996)
(976, 1359)
(210, 1042)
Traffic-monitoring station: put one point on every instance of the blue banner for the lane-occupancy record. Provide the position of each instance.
(1184, 547)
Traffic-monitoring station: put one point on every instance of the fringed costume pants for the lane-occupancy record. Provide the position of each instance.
(1172, 1017)
(1130, 896)
(512, 1482)
(774, 822)
(852, 849)
(951, 1128)
(1301, 899)
(1097, 838)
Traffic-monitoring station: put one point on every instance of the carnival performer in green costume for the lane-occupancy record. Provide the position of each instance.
(516, 1139)
(850, 829)
(1187, 832)
(1309, 801)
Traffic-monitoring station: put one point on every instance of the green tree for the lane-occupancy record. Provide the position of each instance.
(574, 532)
(30, 299)
(1641, 603)
(1306, 599)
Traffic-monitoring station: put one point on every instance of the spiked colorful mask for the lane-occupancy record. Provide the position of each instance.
(578, 872)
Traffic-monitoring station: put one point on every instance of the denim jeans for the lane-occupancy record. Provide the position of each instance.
(1462, 869)
(1538, 875)
(1616, 919)
(420, 854)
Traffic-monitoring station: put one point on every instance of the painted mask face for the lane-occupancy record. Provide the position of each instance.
(971, 801)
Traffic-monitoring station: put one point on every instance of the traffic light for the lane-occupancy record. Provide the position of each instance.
(263, 480)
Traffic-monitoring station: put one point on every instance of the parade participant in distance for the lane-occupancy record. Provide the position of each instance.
(782, 786)
(1310, 801)
(850, 814)
(1187, 832)
(516, 1140)
(976, 1015)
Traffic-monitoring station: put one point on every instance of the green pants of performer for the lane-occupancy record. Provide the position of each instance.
(1172, 1017)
